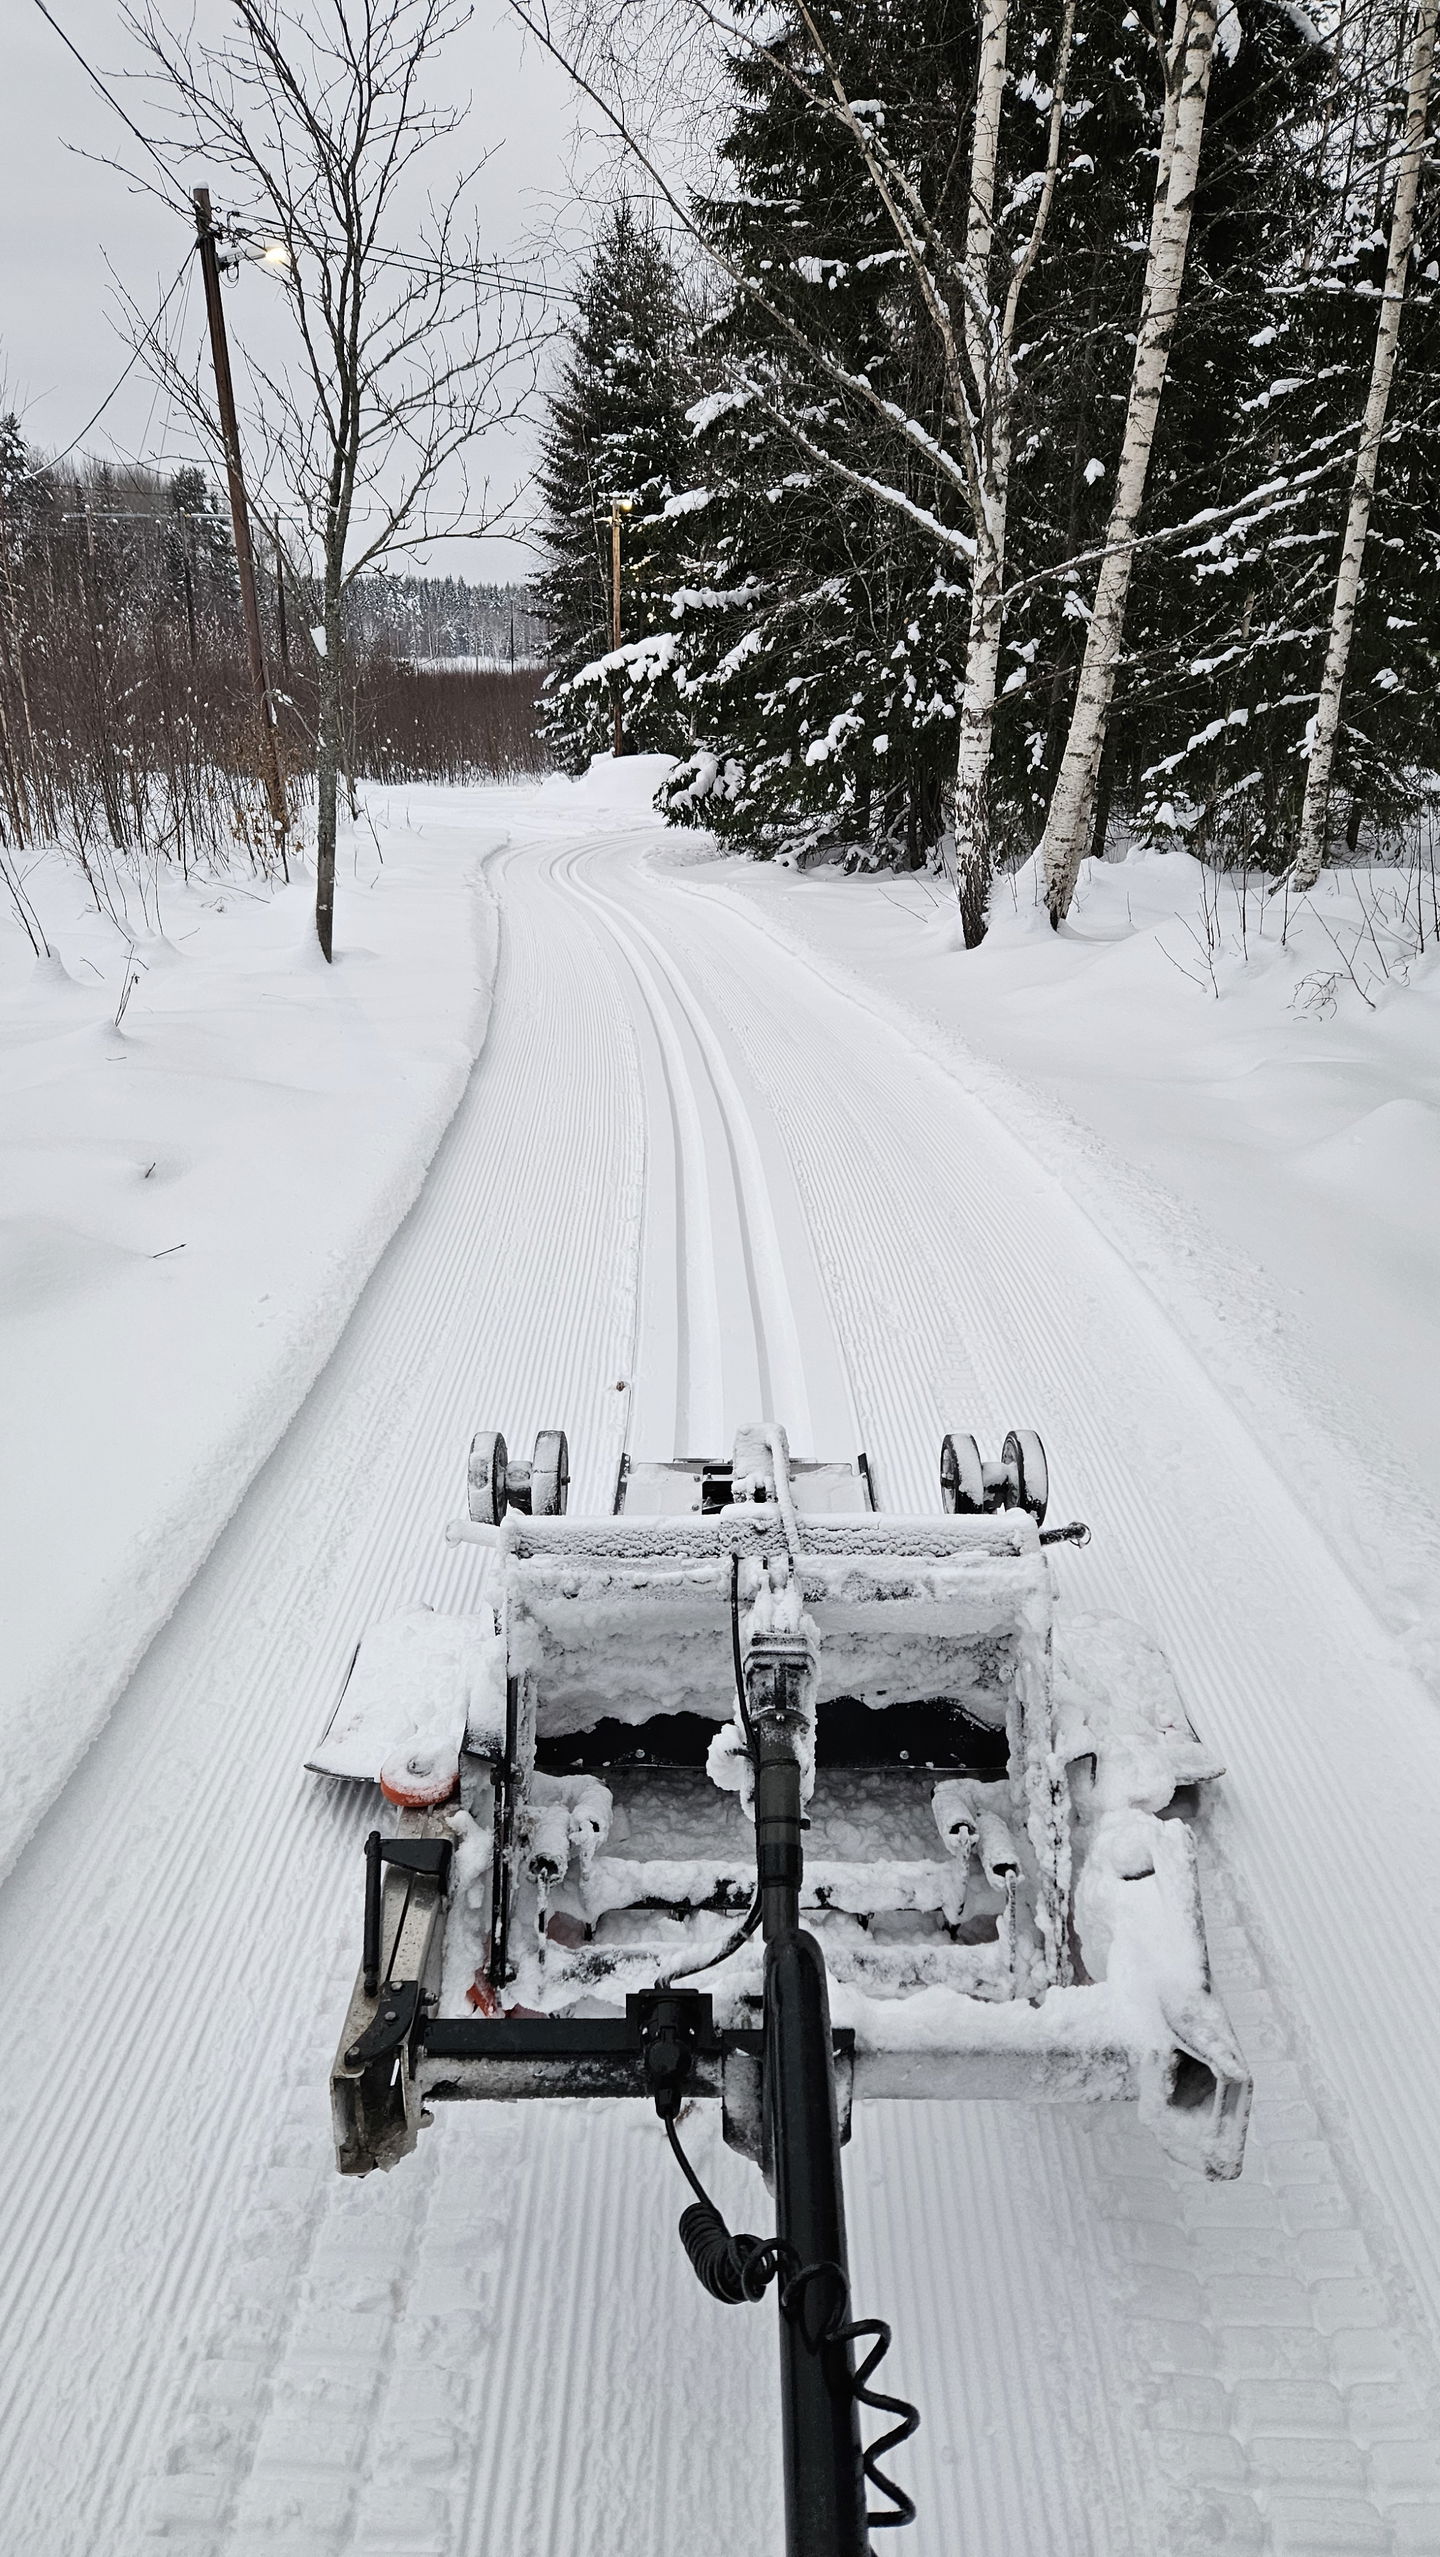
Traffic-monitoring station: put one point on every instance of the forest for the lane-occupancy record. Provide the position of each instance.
(1022, 433)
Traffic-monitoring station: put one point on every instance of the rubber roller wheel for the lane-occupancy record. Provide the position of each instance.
(550, 1474)
(1024, 1456)
(962, 1476)
(485, 1479)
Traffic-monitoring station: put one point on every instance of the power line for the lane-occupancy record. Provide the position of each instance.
(93, 75)
(408, 261)
(55, 458)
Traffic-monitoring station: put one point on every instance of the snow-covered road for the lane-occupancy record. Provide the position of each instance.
(691, 1180)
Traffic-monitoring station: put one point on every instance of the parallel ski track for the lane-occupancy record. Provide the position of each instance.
(1331, 1741)
(217, 2346)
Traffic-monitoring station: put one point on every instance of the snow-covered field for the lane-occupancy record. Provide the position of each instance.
(736, 1141)
(206, 1138)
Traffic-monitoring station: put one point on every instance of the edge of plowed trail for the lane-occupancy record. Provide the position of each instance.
(1380, 1523)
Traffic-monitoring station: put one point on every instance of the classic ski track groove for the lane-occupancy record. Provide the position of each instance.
(499, 2347)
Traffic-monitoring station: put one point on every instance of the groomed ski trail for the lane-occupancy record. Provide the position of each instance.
(686, 1169)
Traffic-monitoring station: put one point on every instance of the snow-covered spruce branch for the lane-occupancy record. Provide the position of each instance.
(1273, 497)
(978, 370)
(946, 536)
(843, 378)
(920, 239)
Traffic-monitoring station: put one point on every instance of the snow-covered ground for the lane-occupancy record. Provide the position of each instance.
(728, 1148)
(208, 1137)
(1245, 1090)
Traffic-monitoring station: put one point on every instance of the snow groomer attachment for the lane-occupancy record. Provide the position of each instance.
(749, 1791)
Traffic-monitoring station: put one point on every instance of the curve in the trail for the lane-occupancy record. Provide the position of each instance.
(500, 2346)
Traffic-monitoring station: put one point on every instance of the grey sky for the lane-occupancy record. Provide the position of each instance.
(62, 218)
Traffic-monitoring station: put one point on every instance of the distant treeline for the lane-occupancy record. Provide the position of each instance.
(429, 618)
(127, 722)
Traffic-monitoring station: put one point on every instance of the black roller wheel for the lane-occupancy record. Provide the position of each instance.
(1024, 1456)
(962, 1476)
(485, 1479)
(550, 1474)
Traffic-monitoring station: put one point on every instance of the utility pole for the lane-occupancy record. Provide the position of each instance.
(282, 625)
(618, 506)
(240, 520)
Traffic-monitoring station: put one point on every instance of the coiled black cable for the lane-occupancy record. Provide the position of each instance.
(731, 2269)
(837, 2327)
(740, 2267)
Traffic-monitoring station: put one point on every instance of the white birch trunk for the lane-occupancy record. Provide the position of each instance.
(984, 171)
(1324, 727)
(1067, 827)
(977, 720)
(983, 352)
(990, 358)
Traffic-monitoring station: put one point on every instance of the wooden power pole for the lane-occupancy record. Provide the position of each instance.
(240, 519)
(618, 506)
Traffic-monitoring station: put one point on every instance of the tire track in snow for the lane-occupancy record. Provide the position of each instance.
(1190, 1512)
(500, 2347)
(730, 1204)
(1169, 1474)
(1057, 2437)
(603, 2318)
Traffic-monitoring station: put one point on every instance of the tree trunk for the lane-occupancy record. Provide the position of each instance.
(1104, 792)
(991, 363)
(328, 766)
(977, 723)
(1067, 826)
(1324, 727)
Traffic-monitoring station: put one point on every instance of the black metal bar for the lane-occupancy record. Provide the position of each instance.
(564, 2037)
(779, 1855)
(371, 1956)
(824, 2479)
(820, 2424)
(504, 1780)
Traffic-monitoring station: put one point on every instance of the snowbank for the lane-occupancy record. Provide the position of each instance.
(1243, 1092)
(208, 1139)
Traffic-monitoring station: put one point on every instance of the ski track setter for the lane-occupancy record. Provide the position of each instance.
(917, 1835)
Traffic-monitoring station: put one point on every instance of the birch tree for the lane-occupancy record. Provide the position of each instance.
(1188, 62)
(991, 353)
(1324, 727)
(968, 288)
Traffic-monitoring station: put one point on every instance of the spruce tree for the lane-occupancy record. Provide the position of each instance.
(616, 428)
(820, 636)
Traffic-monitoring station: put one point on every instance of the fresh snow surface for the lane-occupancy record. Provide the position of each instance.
(728, 1150)
(1245, 1088)
(206, 1138)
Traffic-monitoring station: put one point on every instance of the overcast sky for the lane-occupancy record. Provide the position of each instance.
(62, 218)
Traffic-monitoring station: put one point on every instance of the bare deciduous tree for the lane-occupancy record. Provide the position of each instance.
(318, 117)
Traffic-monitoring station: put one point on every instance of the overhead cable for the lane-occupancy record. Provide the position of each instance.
(93, 76)
(54, 459)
